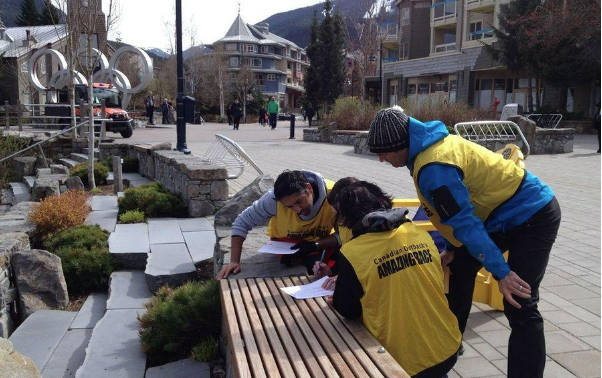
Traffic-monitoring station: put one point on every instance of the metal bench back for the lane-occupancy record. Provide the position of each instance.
(546, 121)
(227, 153)
(492, 131)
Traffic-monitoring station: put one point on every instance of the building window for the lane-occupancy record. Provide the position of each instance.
(411, 89)
(248, 48)
(404, 51)
(444, 9)
(231, 47)
(271, 77)
(423, 88)
(405, 16)
(265, 49)
(453, 85)
(477, 32)
(439, 87)
(253, 62)
(259, 80)
(298, 67)
(233, 61)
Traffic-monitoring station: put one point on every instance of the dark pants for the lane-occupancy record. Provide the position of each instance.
(310, 119)
(236, 122)
(273, 120)
(165, 120)
(150, 112)
(440, 370)
(529, 247)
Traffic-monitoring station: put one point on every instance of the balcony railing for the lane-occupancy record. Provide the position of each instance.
(443, 11)
(475, 4)
(444, 47)
(390, 59)
(481, 34)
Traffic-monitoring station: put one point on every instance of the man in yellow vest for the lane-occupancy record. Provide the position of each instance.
(390, 275)
(482, 204)
(298, 211)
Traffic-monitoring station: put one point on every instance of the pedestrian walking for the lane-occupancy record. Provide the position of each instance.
(172, 115)
(273, 109)
(236, 112)
(149, 104)
(262, 114)
(596, 124)
(483, 205)
(310, 112)
(165, 111)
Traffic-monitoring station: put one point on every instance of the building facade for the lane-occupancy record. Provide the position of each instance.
(279, 65)
(442, 53)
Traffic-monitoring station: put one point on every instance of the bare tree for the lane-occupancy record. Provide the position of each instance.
(215, 68)
(245, 82)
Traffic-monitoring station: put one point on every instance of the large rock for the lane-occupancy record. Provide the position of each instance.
(39, 280)
(25, 166)
(74, 182)
(59, 169)
(528, 128)
(243, 199)
(13, 364)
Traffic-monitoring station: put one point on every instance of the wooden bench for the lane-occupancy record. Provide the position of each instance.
(270, 334)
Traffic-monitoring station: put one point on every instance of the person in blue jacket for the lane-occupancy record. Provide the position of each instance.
(483, 205)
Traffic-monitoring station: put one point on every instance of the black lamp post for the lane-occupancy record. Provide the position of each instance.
(380, 57)
(181, 126)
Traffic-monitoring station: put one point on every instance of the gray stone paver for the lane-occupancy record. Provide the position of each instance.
(201, 244)
(129, 238)
(128, 290)
(91, 312)
(103, 203)
(161, 231)
(574, 177)
(195, 224)
(582, 364)
(187, 368)
(105, 219)
(69, 355)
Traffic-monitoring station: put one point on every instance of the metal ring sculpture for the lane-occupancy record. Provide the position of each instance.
(108, 71)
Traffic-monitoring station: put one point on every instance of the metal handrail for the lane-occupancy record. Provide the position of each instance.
(49, 138)
(491, 131)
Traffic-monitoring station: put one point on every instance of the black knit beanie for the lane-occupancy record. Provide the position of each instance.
(389, 131)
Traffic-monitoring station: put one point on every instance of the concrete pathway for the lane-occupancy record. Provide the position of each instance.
(570, 291)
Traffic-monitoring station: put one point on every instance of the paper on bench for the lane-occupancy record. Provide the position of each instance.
(278, 248)
(312, 290)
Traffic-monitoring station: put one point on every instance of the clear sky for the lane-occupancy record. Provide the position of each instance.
(142, 22)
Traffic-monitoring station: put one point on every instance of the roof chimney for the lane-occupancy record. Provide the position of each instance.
(27, 38)
(263, 27)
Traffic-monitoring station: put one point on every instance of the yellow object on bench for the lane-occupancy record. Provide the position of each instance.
(270, 334)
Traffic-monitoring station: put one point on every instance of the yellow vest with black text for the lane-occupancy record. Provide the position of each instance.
(404, 305)
(287, 224)
(490, 179)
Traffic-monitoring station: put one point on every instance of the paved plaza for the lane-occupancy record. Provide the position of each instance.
(570, 291)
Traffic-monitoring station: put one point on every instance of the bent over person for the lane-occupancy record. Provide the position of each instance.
(483, 205)
(298, 211)
(390, 275)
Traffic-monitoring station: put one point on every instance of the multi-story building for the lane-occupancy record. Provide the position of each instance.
(279, 65)
(441, 52)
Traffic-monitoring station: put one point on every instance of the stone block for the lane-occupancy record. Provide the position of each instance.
(201, 245)
(39, 278)
(128, 290)
(195, 224)
(169, 264)
(199, 208)
(204, 171)
(91, 312)
(99, 203)
(219, 190)
(74, 183)
(69, 355)
(59, 169)
(243, 199)
(187, 368)
(105, 219)
(14, 364)
(25, 166)
(161, 231)
(45, 187)
(129, 245)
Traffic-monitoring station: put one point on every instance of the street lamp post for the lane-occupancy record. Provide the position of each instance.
(380, 57)
(181, 126)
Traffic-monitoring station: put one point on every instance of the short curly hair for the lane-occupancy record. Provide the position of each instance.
(289, 183)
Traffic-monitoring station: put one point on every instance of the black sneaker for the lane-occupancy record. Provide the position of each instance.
(461, 350)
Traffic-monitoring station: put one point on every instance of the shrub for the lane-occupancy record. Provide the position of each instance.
(101, 172)
(176, 321)
(450, 113)
(132, 216)
(84, 253)
(154, 200)
(57, 213)
(206, 350)
(352, 114)
(9, 145)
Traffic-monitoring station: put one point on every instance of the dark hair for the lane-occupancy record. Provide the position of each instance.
(338, 186)
(359, 199)
(289, 183)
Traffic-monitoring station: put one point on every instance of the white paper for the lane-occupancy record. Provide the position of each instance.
(278, 248)
(312, 290)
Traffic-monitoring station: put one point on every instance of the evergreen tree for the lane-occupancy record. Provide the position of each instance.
(331, 69)
(29, 15)
(49, 14)
(312, 82)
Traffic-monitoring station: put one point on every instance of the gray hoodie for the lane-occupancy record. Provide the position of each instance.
(262, 210)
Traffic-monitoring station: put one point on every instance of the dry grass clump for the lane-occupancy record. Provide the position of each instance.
(352, 114)
(57, 213)
(439, 109)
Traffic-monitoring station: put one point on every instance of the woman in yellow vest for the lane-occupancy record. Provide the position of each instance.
(297, 210)
(390, 275)
(482, 204)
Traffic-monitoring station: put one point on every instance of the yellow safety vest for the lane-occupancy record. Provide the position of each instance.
(490, 179)
(345, 234)
(403, 305)
(287, 224)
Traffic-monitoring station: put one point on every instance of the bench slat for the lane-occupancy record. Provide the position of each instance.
(260, 292)
(294, 317)
(356, 349)
(385, 362)
(253, 354)
(339, 343)
(337, 359)
(234, 336)
(261, 324)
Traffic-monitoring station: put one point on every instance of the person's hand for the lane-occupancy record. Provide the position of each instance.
(226, 270)
(305, 247)
(446, 258)
(328, 299)
(330, 283)
(321, 269)
(513, 284)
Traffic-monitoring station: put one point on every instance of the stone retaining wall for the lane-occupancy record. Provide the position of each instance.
(202, 186)
(581, 127)
(59, 147)
(361, 144)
